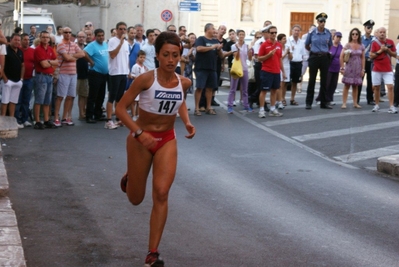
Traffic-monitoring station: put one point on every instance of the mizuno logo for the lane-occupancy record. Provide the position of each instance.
(168, 95)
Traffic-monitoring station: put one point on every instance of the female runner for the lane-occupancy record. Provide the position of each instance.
(151, 141)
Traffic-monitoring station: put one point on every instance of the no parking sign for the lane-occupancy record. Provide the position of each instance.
(166, 15)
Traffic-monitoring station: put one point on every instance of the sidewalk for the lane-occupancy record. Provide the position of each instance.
(11, 251)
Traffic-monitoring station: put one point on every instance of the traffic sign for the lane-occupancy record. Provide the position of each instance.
(166, 15)
(190, 6)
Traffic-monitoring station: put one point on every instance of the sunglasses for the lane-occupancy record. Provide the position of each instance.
(322, 21)
(88, 25)
(67, 32)
(273, 32)
(172, 30)
(369, 27)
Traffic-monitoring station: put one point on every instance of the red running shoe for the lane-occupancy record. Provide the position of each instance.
(153, 260)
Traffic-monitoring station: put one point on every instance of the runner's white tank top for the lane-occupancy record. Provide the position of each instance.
(160, 100)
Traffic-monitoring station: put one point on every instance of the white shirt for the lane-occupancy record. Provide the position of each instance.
(3, 49)
(297, 49)
(149, 55)
(257, 45)
(137, 70)
(119, 65)
(58, 39)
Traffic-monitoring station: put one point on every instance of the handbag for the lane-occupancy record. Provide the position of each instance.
(347, 55)
(251, 72)
(236, 69)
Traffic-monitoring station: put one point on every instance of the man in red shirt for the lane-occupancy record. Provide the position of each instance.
(22, 108)
(270, 54)
(45, 59)
(382, 49)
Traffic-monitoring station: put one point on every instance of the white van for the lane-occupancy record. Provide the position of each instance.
(38, 17)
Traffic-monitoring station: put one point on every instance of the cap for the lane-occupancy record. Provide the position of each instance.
(265, 29)
(322, 16)
(339, 34)
(370, 23)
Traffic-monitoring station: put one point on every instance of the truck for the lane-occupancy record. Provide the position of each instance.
(36, 16)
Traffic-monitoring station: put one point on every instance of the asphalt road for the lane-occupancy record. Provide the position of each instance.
(289, 191)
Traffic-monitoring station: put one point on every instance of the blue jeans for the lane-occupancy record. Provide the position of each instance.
(22, 108)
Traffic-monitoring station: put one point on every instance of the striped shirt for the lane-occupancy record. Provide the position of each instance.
(67, 67)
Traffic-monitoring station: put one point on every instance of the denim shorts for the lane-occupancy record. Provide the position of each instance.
(206, 79)
(43, 89)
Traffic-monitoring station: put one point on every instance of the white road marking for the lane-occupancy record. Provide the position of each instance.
(368, 154)
(348, 131)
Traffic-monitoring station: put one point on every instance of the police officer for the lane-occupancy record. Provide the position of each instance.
(318, 42)
(366, 41)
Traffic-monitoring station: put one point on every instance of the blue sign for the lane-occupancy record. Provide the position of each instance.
(190, 6)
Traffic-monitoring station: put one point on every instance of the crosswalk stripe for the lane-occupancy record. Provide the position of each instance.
(368, 154)
(314, 118)
(348, 131)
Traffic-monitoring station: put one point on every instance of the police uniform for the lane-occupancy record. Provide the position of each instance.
(318, 43)
(367, 44)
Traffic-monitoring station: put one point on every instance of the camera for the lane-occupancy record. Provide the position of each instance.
(389, 46)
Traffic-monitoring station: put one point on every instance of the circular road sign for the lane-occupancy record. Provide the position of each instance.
(166, 15)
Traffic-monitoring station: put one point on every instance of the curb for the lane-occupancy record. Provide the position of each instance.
(389, 165)
(11, 251)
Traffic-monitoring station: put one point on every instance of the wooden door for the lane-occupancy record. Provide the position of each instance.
(305, 20)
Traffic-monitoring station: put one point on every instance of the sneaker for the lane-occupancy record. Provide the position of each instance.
(20, 126)
(153, 260)
(70, 122)
(280, 105)
(230, 110)
(49, 125)
(135, 118)
(249, 109)
(275, 113)
(27, 124)
(38, 126)
(234, 103)
(376, 108)
(57, 123)
(332, 103)
(392, 110)
(110, 125)
(261, 114)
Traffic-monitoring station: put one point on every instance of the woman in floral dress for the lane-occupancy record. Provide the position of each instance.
(354, 68)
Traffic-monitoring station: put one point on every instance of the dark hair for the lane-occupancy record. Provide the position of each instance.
(148, 32)
(32, 26)
(120, 23)
(130, 27)
(23, 35)
(296, 26)
(97, 31)
(42, 32)
(168, 38)
(359, 40)
(14, 34)
(231, 30)
(271, 27)
(59, 27)
(191, 33)
(239, 31)
(181, 27)
(280, 36)
(17, 30)
(111, 30)
(141, 53)
(171, 25)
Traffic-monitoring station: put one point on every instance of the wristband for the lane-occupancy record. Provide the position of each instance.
(49, 62)
(137, 133)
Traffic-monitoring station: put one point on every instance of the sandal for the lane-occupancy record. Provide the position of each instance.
(210, 111)
(124, 183)
(293, 103)
(197, 113)
(284, 102)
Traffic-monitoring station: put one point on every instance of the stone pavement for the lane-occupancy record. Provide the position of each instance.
(11, 251)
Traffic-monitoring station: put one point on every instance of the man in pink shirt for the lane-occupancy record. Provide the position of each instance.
(68, 53)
